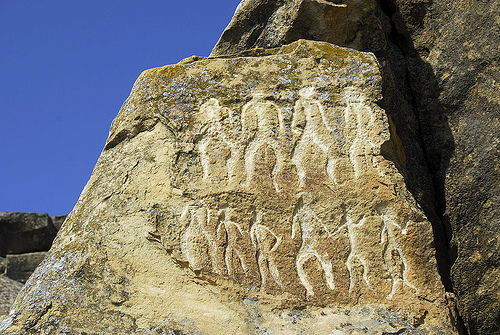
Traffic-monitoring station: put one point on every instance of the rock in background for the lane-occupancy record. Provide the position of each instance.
(25, 239)
(247, 194)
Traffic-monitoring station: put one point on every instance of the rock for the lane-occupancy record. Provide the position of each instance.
(8, 292)
(454, 74)
(20, 267)
(362, 25)
(271, 23)
(253, 193)
(58, 221)
(25, 232)
(3, 265)
(440, 66)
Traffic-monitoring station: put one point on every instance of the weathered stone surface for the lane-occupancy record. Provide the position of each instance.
(440, 66)
(271, 23)
(20, 267)
(458, 41)
(3, 265)
(240, 195)
(25, 232)
(57, 221)
(362, 25)
(8, 292)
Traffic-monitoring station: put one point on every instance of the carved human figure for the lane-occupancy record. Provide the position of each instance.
(370, 131)
(239, 253)
(262, 124)
(315, 238)
(216, 148)
(356, 254)
(311, 126)
(398, 267)
(266, 244)
(214, 242)
(197, 244)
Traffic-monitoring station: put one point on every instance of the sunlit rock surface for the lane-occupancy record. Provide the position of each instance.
(241, 195)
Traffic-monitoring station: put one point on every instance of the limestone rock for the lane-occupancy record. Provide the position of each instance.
(242, 195)
(452, 54)
(362, 25)
(440, 68)
(271, 23)
(8, 292)
(58, 220)
(20, 267)
(25, 232)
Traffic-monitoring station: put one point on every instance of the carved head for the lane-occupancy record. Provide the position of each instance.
(211, 110)
(308, 92)
(353, 95)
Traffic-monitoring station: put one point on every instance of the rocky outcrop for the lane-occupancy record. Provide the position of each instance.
(457, 40)
(440, 67)
(25, 232)
(246, 194)
(21, 233)
(364, 26)
(20, 267)
(9, 289)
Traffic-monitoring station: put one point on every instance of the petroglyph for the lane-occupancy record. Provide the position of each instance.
(310, 124)
(391, 231)
(266, 243)
(262, 123)
(345, 253)
(216, 242)
(371, 131)
(313, 232)
(216, 148)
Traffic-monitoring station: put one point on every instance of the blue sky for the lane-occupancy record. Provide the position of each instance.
(66, 67)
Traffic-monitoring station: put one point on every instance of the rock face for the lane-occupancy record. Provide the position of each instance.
(8, 291)
(461, 48)
(25, 232)
(21, 233)
(20, 267)
(249, 194)
(440, 68)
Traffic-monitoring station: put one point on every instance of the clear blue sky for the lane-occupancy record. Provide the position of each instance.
(66, 67)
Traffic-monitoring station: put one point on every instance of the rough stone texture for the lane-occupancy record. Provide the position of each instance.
(458, 40)
(8, 291)
(272, 23)
(362, 25)
(240, 195)
(440, 68)
(58, 220)
(20, 267)
(25, 232)
(3, 265)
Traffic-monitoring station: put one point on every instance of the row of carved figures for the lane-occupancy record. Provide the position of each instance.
(262, 124)
(216, 242)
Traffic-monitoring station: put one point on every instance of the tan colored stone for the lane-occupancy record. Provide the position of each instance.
(244, 195)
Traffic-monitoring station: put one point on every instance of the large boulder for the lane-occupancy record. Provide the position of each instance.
(20, 267)
(258, 193)
(25, 232)
(440, 67)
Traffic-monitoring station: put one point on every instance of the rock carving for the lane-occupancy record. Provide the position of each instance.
(262, 123)
(311, 125)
